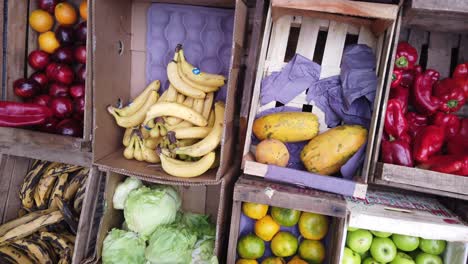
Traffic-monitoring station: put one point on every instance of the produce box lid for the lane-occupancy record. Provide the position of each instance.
(406, 214)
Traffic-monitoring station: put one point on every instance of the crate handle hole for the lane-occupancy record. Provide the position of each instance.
(120, 47)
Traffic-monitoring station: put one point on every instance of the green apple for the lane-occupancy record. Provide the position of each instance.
(364, 255)
(351, 229)
(435, 247)
(414, 253)
(381, 234)
(370, 260)
(359, 241)
(426, 258)
(402, 258)
(383, 249)
(405, 243)
(350, 257)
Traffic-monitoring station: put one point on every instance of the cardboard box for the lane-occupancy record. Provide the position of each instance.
(253, 189)
(20, 40)
(439, 48)
(412, 215)
(119, 72)
(368, 23)
(212, 200)
(12, 172)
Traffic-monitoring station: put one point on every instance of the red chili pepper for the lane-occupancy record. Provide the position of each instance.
(453, 164)
(423, 100)
(14, 114)
(449, 122)
(459, 143)
(450, 94)
(461, 76)
(395, 122)
(396, 151)
(409, 75)
(397, 77)
(428, 142)
(406, 56)
(415, 122)
(402, 95)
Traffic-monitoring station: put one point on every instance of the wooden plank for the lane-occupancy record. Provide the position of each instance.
(440, 52)
(456, 6)
(324, 23)
(417, 38)
(279, 40)
(6, 171)
(2, 44)
(234, 231)
(13, 203)
(367, 37)
(308, 37)
(333, 49)
(463, 49)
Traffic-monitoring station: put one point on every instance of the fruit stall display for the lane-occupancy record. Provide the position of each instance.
(267, 226)
(301, 129)
(46, 91)
(422, 139)
(41, 211)
(180, 127)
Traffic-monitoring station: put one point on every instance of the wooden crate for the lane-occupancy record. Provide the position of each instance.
(253, 189)
(408, 214)
(439, 51)
(12, 172)
(20, 41)
(197, 198)
(372, 24)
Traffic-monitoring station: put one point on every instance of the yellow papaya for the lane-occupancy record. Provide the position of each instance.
(327, 152)
(286, 126)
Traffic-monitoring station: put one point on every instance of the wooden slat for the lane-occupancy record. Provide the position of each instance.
(324, 23)
(463, 49)
(417, 38)
(333, 49)
(308, 37)
(367, 37)
(440, 52)
(279, 39)
(6, 171)
(234, 231)
(13, 203)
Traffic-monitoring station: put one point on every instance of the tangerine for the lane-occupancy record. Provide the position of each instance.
(297, 260)
(84, 9)
(48, 42)
(265, 228)
(246, 261)
(273, 260)
(65, 14)
(313, 226)
(285, 216)
(312, 251)
(250, 247)
(284, 244)
(41, 21)
(254, 210)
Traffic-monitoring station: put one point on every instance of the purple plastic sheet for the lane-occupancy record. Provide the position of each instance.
(205, 33)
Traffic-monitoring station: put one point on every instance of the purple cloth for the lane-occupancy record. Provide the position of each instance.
(292, 80)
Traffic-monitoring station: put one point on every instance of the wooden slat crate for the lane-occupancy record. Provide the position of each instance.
(439, 50)
(368, 23)
(253, 189)
(20, 41)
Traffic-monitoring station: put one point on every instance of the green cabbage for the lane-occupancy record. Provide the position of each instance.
(171, 244)
(203, 253)
(123, 247)
(199, 224)
(122, 191)
(147, 208)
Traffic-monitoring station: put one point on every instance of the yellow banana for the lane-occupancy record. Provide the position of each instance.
(198, 105)
(181, 86)
(149, 155)
(211, 119)
(171, 94)
(182, 124)
(151, 124)
(9, 254)
(180, 98)
(163, 97)
(144, 132)
(32, 226)
(29, 184)
(200, 87)
(211, 141)
(138, 117)
(43, 190)
(191, 132)
(186, 169)
(127, 136)
(58, 190)
(172, 121)
(34, 250)
(176, 110)
(139, 100)
(138, 154)
(130, 149)
(152, 143)
(207, 105)
(203, 78)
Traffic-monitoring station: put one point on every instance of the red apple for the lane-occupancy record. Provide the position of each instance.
(63, 55)
(48, 5)
(64, 74)
(81, 74)
(50, 125)
(38, 59)
(81, 31)
(26, 88)
(65, 35)
(70, 127)
(77, 90)
(79, 107)
(58, 90)
(51, 70)
(42, 99)
(62, 107)
(80, 54)
(41, 79)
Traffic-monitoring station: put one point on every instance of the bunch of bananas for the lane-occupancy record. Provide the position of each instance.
(182, 128)
(51, 198)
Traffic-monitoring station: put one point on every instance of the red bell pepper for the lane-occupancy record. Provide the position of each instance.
(463, 127)
(461, 76)
(402, 95)
(409, 75)
(459, 143)
(452, 164)
(415, 122)
(450, 94)
(449, 122)
(14, 114)
(428, 142)
(396, 151)
(423, 100)
(395, 122)
(406, 56)
(397, 77)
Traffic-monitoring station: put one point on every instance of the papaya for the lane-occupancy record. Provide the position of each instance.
(272, 151)
(287, 126)
(327, 152)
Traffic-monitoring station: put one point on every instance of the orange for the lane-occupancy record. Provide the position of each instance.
(313, 226)
(266, 228)
(297, 260)
(84, 9)
(285, 216)
(254, 210)
(284, 244)
(250, 247)
(273, 260)
(246, 261)
(65, 14)
(312, 251)
(48, 42)
(41, 21)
